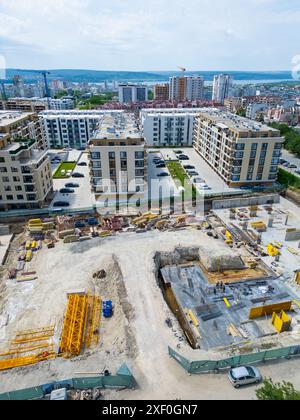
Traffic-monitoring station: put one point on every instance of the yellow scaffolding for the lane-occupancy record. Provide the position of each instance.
(24, 361)
(95, 305)
(74, 325)
(27, 342)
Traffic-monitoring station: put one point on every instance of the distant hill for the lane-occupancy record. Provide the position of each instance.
(95, 76)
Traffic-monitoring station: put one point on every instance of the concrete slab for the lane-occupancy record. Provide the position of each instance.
(4, 245)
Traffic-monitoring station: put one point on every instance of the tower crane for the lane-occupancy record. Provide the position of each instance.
(44, 74)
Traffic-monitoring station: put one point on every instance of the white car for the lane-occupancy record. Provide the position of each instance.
(244, 375)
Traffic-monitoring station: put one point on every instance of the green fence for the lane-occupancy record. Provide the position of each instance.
(202, 366)
(122, 379)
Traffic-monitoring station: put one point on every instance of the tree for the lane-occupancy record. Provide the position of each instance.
(241, 112)
(277, 391)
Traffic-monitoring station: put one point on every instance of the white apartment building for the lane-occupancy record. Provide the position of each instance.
(71, 128)
(222, 87)
(25, 170)
(118, 159)
(169, 127)
(189, 88)
(59, 104)
(241, 151)
(132, 93)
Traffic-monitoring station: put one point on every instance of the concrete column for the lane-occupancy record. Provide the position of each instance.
(270, 223)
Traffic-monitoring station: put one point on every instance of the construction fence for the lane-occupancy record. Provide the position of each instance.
(122, 380)
(205, 366)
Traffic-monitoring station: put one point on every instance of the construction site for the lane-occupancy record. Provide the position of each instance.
(81, 296)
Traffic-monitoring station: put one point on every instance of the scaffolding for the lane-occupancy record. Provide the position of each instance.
(74, 325)
(81, 324)
(35, 346)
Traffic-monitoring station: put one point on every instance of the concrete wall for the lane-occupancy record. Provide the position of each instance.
(246, 202)
(292, 235)
(4, 230)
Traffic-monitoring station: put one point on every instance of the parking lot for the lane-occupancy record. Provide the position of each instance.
(215, 185)
(291, 159)
(82, 197)
(160, 186)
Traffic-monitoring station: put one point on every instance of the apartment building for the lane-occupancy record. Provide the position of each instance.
(118, 159)
(222, 87)
(241, 151)
(70, 128)
(169, 127)
(24, 125)
(234, 104)
(188, 88)
(25, 170)
(132, 93)
(162, 92)
(36, 105)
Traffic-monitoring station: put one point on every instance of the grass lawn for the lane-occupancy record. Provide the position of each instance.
(181, 179)
(64, 166)
(177, 172)
(290, 180)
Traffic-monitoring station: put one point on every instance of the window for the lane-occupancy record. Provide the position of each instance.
(139, 155)
(2, 159)
(96, 155)
(20, 197)
(111, 155)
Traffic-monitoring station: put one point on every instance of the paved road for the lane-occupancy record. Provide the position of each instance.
(289, 157)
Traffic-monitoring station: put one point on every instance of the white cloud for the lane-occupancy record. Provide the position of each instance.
(152, 34)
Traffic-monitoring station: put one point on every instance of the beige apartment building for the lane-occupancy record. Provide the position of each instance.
(25, 170)
(118, 158)
(241, 151)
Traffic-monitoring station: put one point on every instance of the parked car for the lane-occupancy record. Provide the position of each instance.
(282, 161)
(82, 164)
(71, 185)
(297, 171)
(193, 173)
(244, 375)
(189, 167)
(79, 224)
(292, 166)
(163, 174)
(286, 164)
(183, 157)
(161, 165)
(198, 180)
(66, 191)
(92, 221)
(178, 152)
(77, 175)
(61, 204)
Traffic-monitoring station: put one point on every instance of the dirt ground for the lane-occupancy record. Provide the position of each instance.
(137, 334)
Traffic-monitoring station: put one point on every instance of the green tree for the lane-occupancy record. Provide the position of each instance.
(277, 391)
(241, 112)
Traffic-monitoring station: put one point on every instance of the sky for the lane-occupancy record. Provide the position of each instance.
(150, 35)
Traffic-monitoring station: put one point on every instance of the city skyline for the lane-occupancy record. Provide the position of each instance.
(157, 37)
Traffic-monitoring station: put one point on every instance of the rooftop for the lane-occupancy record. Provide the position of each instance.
(172, 111)
(118, 126)
(226, 120)
(11, 117)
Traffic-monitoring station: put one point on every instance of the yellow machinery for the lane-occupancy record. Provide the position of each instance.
(259, 226)
(35, 345)
(228, 235)
(272, 250)
(270, 309)
(81, 323)
(297, 277)
(95, 305)
(281, 322)
(74, 325)
(28, 245)
(28, 256)
(226, 301)
(192, 317)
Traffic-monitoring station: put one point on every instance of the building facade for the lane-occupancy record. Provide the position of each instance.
(190, 88)
(162, 92)
(72, 129)
(132, 93)
(118, 159)
(25, 170)
(169, 127)
(241, 151)
(222, 87)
